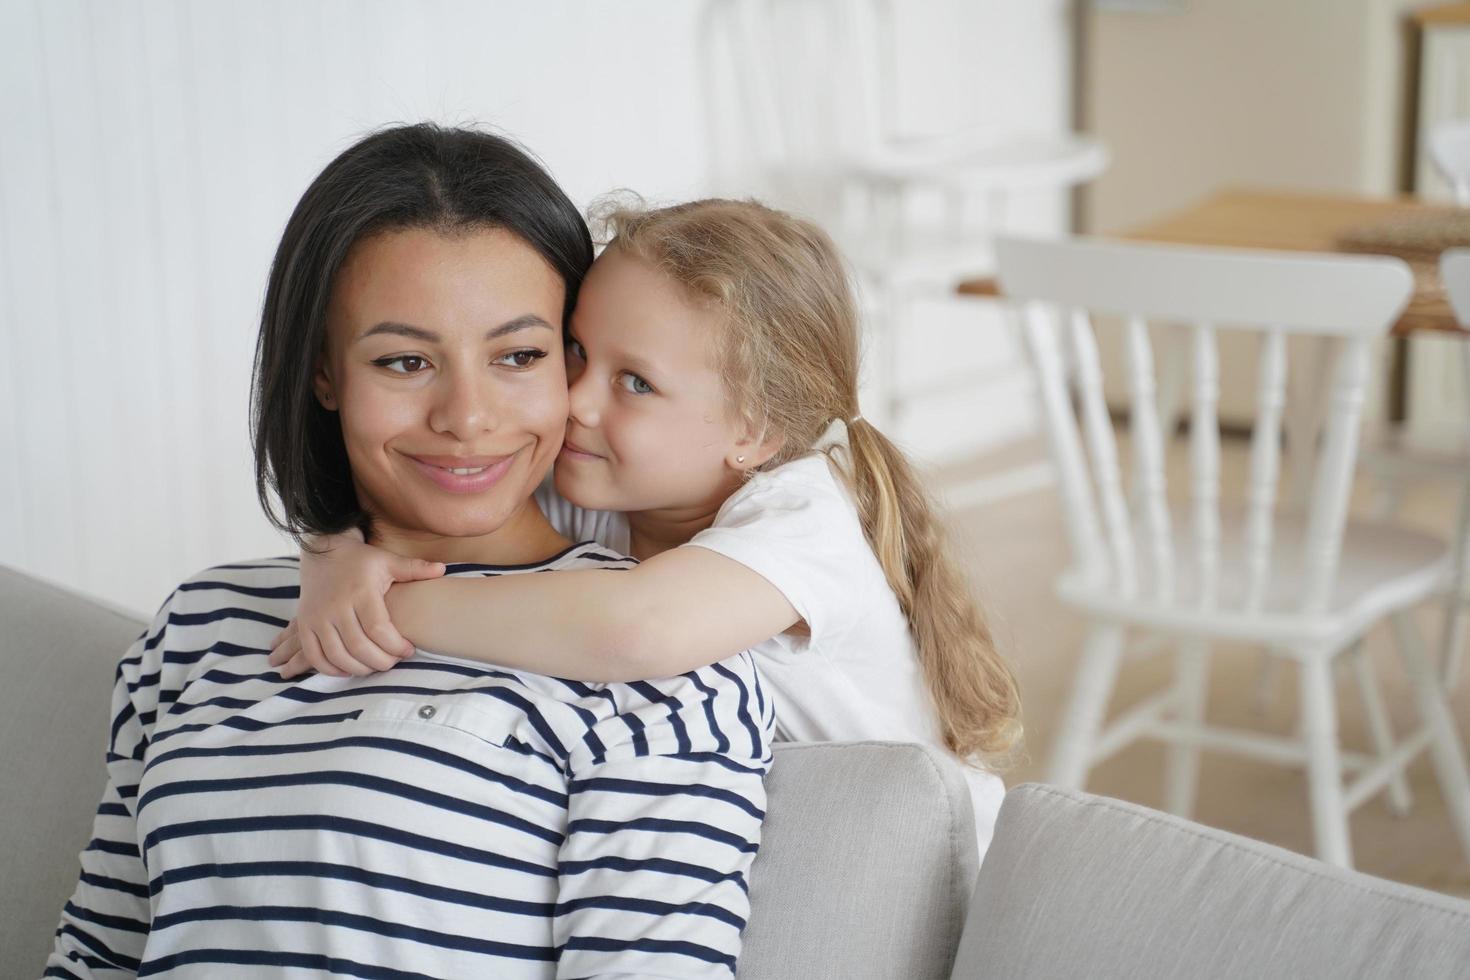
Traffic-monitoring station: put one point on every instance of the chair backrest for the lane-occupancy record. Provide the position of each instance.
(797, 86)
(1454, 272)
(1130, 550)
(1449, 148)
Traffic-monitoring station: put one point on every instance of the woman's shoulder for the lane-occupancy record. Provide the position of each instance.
(254, 571)
(219, 612)
(240, 583)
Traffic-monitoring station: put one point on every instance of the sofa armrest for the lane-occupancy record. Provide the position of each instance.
(1083, 886)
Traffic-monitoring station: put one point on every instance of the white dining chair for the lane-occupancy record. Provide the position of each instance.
(1393, 457)
(1454, 270)
(1302, 584)
(1449, 149)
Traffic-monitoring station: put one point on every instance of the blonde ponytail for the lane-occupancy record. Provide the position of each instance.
(974, 691)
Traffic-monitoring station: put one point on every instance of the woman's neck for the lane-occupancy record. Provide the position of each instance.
(524, 539)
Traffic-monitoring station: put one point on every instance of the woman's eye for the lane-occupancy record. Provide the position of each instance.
(631, 382)
(403, 363)
(521, 358)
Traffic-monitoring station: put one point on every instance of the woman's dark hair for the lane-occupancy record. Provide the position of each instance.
(422, 176)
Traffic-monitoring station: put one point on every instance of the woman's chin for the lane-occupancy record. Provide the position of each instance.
(454, 522)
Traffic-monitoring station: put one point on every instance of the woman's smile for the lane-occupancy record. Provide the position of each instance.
(464, 474)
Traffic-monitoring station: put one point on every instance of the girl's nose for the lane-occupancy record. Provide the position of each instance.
(583, 401)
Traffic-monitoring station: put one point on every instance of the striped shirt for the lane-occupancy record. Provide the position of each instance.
(441, 819)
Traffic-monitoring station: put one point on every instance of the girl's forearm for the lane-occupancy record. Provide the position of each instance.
(564, 624)
(677, 611)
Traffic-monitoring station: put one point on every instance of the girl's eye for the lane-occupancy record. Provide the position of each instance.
(575, 349)
(521, 358)
(403, 363)
(631, 382)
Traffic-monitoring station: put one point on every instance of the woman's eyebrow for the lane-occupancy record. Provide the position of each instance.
(525, 321)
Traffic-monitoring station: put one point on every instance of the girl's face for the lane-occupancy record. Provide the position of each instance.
(649, 429)
(444, 362)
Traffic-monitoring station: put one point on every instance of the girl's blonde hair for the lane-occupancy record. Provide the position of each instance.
(791, 359)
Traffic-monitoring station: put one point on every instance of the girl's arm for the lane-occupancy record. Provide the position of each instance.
(681, 609)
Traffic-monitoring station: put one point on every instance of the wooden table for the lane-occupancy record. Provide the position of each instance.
(1256, 219)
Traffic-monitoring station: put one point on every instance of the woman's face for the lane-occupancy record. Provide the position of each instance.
(444, 363)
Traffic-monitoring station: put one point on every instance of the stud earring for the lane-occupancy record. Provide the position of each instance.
(739, 459)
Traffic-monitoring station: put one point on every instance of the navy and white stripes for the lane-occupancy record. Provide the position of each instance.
(441, 819)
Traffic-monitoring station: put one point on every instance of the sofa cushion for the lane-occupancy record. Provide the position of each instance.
(59, 652)
(867, 860)
(1083, 886)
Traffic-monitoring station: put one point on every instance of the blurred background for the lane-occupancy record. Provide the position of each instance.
(150, 153)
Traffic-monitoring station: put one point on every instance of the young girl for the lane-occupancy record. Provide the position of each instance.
(714, 435)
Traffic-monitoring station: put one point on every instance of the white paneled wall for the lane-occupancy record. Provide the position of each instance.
(150, 152)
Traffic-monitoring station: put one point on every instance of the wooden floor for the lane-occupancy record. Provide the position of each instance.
(1013, 550)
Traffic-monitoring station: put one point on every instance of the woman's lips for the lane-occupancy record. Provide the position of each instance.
(464, 474)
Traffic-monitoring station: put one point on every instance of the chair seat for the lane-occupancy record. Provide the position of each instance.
(1393, 451)
(1383, 568)
(988, 162)
(923, 257)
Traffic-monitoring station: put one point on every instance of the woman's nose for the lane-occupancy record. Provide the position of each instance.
(462, 409)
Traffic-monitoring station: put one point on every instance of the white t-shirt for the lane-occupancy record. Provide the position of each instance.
(857, 676)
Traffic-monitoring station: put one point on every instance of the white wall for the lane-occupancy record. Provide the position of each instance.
(150, 153)
(1302, 95)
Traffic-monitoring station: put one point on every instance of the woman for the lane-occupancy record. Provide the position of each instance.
(442, 819)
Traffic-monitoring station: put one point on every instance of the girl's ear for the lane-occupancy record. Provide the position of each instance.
(753, 449)
(321, 383)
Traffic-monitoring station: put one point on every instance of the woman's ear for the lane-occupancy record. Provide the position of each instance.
(321, 383)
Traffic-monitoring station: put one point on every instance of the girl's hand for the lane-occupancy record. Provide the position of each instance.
(342, 626)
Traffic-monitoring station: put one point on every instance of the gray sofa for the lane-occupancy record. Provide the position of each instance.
(867, 869)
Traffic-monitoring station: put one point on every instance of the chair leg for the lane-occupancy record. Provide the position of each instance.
(1452, 641)
(1324, 764)
(1444, 737)
(889, 306)
(1191, 691)
(1379, 729)
(1266, 679)
(1091, 690)
(1389, 498)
